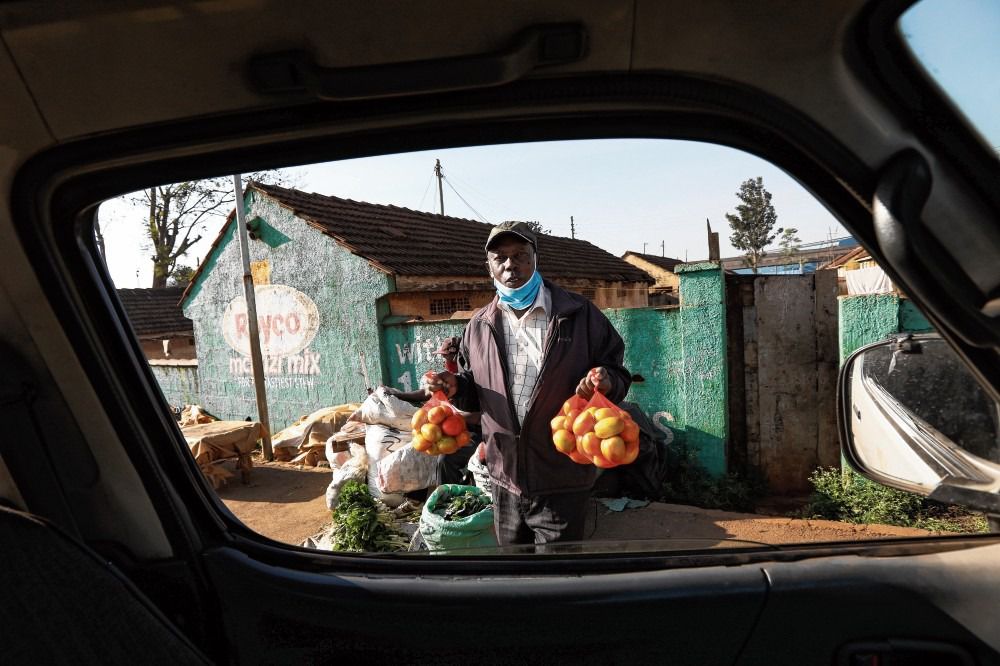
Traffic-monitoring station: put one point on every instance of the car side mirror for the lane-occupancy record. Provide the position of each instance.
(913, 417)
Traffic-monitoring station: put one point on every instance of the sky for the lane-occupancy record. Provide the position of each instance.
(642, 195)
(647, 195)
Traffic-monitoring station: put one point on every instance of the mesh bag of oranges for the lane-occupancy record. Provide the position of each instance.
(595, 432)
(438, 428)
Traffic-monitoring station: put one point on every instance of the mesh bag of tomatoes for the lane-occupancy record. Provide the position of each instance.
(595, 432)
(437, 428)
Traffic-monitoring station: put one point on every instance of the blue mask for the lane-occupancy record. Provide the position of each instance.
(521, 297)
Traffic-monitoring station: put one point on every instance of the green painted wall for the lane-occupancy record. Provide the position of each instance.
(703, 335)
(409, 347)
(179, 384)
(345, 289)
(871, 317)
(654, 349)
(681, 354)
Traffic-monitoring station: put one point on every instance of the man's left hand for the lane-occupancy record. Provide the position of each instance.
(597, 378)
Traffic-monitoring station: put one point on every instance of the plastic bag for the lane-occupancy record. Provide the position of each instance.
(475, 531)
(438, 428)
(480, 474)
(597, 432)
(380, 441)
(406, 470)
(356, 468)
(380, 408)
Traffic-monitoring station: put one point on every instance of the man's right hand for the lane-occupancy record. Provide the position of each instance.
(443, 381)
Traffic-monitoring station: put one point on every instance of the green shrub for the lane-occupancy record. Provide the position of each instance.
(688, 482)
(849, 497)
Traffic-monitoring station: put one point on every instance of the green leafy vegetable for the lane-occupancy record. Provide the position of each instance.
(359, 526)
(462, 505)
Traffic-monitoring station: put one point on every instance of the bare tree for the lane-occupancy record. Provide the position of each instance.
(177, 215)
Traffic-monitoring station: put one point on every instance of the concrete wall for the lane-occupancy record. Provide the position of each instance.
(345, 291)
(790, 373)
(179, 384)
(872, 317)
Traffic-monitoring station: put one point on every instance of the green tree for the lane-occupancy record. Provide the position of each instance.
(538, 228)
(753, 221)
(181, 277)
(177, 214)
(788, 240)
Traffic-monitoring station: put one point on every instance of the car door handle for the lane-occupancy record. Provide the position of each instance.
(296, 73)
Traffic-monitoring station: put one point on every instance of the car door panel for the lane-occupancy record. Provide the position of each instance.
(693, 616)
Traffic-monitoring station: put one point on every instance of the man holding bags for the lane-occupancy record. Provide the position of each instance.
(529, 350)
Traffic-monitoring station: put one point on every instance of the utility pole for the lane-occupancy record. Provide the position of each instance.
(256, 362)
(663, 248)
(644, 247)
(437, 172)
(572, 227)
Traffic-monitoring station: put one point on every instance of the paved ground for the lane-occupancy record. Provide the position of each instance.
(287, 503)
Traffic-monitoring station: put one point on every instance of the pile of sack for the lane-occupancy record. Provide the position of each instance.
(387, 461)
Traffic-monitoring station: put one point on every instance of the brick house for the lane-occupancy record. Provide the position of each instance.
(665, 290)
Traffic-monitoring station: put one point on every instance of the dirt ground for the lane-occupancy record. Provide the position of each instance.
(287, 503)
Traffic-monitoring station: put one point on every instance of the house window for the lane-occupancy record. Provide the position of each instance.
(587, 293)
(447, 306)
(622, 292)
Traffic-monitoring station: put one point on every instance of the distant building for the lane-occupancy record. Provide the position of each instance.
(665, 290)
(159, 324)
(858, 273)
(332, 273)
(807, 259)
(167, 340)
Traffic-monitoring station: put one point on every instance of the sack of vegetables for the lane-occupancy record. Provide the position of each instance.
(457, 517)
(596, 432)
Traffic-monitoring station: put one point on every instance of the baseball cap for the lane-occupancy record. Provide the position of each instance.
(516, 228)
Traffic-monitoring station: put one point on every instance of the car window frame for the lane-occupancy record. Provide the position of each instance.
(76, 177)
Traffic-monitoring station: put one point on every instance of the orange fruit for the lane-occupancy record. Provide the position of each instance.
(603, 462)
(571, 416)
(447, 445)
(432, 450)
(453, 425)
(590, 444)
(419, 418)
(438, 414)
(576, 402)
(604, 413)
(420, 444)
(558, 423)
(463, 438)
(609, 427)
(564, 441)
(630, 433)
(631, 453)
(584, 423)
(430, 432)
(613, 449)
(579, 458)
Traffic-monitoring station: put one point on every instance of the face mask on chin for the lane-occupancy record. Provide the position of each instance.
(521, 297)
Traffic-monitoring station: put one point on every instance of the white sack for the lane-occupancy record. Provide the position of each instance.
(407, 470)
(380, 408)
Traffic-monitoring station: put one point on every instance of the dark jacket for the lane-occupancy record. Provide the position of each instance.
(523, 459)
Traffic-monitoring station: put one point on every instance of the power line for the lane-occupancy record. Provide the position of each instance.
(427, 189)
(448, 180)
